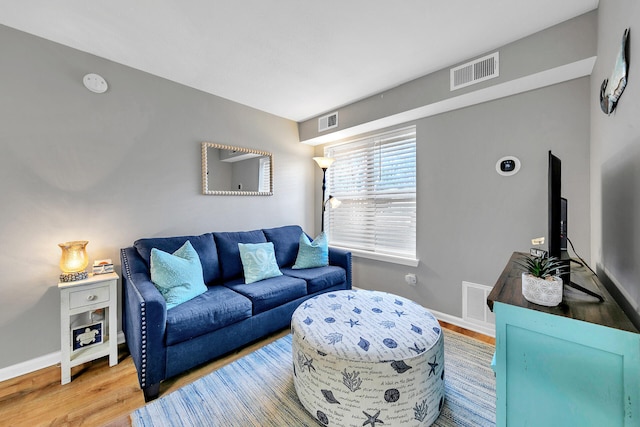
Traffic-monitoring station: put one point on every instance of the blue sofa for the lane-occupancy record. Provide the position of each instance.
(229, 315)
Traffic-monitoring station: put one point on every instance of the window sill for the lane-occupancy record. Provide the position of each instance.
(411, 262)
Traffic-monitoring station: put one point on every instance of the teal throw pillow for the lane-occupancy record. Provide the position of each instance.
(312, 254)
(258, 261)
(177, 276)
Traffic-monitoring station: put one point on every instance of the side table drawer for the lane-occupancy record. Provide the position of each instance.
(88, 296)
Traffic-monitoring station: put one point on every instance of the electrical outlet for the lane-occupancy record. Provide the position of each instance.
(537, 241)
(411, 279)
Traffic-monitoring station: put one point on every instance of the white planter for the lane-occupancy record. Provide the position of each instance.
(546, 292)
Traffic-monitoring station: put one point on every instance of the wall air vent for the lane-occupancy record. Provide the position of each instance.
(327, 122)
(476, 71)
(474, 306)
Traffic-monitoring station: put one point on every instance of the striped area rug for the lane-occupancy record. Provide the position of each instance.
(258, 390)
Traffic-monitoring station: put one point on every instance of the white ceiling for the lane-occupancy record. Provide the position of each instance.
(292, 58)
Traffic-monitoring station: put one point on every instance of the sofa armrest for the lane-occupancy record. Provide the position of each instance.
(144, 319)
(341, 258)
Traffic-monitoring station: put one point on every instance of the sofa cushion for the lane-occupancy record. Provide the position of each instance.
(318, 278)
(177, 276)
(270, 293)
(216, 308)
(312, 254)
(229, 253)
(258, 261)
(204, 245)
(285, 241)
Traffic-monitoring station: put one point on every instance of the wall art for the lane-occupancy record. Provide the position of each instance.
(612, 88)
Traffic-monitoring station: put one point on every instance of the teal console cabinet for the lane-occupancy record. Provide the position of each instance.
(576, 364)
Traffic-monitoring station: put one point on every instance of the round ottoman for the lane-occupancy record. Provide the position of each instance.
(368, 358)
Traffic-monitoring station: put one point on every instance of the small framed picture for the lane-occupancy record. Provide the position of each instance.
(86, 335)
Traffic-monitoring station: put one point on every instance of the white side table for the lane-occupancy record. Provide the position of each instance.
(88, 339)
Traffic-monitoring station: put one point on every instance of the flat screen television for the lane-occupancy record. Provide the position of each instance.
(555, 206)
(556, 223)
(557, 217)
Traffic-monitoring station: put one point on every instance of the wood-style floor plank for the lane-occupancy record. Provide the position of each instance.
(99, 395)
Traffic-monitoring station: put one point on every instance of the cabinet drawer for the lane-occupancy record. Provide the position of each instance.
(88, 296)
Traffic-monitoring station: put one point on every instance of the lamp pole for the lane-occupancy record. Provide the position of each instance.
(324, 163)
(324, 187)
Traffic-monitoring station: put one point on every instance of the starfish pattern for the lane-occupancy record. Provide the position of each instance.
(350, 297)
(353, 322)
(433, 366)
(308, 362)
(372, 419)
(399, 313)
(417, 349)
(307, 305)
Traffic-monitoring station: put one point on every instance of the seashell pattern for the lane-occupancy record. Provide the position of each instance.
(378, 359)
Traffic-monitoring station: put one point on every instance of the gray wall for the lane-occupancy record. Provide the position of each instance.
(570, 41)
(615, 157)
(247, 174)
(470, 219)
(112, 168)
(126, 164)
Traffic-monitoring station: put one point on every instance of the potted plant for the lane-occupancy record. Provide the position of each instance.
(541, 283)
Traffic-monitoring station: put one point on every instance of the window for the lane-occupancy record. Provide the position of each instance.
(375, 179)
(264, 178)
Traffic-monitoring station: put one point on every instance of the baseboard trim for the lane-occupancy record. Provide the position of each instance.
(29, 366)
(51, 359)
(38, 363)
(458, 321)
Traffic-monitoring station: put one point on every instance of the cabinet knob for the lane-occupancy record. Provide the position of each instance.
(91, 297)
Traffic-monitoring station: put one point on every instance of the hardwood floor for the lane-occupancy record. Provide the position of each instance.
(102, 396)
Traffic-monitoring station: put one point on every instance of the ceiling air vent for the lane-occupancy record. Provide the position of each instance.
(476, 71)
(327, 122)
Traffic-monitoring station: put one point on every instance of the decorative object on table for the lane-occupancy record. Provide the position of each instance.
(102, 266)
(74, 260)
(612, 88)
(324, 163)
(96, 315)
(87, 335)
(541, 282)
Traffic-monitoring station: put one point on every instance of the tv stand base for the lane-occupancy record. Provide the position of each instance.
(585, 290)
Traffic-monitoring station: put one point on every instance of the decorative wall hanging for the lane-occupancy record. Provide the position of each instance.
(236, 171)
(612, 88)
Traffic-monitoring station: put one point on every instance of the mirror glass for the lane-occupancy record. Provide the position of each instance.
(236, 171)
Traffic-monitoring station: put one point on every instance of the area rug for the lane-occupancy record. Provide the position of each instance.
(258, 390)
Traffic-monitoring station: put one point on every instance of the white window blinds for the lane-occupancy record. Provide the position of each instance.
(264, 178)
(375, 179)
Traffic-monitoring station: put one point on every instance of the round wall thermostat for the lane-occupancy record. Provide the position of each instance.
(95, 83)
(508, 165)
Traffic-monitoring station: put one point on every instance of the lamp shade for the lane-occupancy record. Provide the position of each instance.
(74, 256)
(324, 162)
(333, 202)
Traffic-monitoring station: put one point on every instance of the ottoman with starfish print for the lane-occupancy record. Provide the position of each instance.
(368, 358)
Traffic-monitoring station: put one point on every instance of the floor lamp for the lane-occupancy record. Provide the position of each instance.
(324, 163)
